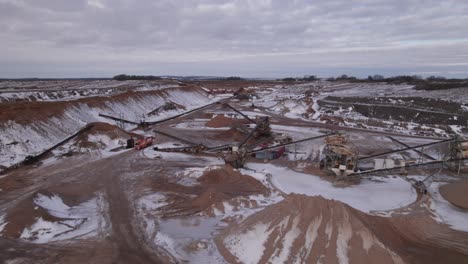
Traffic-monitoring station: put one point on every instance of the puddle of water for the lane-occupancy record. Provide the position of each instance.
(179, 233)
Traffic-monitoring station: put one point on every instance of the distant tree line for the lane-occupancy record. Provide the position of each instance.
(429, 83)
(307, 78)
(420, 83)
(234, 78)
(125, 77)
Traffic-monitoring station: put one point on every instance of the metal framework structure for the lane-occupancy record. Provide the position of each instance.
(340, 156)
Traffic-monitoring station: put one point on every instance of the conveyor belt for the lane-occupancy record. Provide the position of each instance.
(239, 112)
(408, 148)
(185, 113)
(264, 119)
(415, 150)
(174, 137)
(165, 119)
(291, 143)
(34, 158)
(119, 119)
(425, 164)
(177, 149)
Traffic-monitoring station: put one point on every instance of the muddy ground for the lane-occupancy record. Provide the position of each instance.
(173, 207)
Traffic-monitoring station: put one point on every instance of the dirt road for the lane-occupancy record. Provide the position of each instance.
(123, 244)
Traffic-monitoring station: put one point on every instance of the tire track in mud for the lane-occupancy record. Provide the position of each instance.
(130, 246)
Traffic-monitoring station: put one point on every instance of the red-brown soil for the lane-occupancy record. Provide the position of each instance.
(24, 112)
(313, 229)
(456, 193)
(221, 121)
(214, 187)
(22, 216)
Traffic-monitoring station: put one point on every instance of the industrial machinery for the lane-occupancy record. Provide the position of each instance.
(191, 148)
(262, 123)
(144, 143)
(400, 168)
(237, 154)
(340, 156)
(459, 153)
(235, 157)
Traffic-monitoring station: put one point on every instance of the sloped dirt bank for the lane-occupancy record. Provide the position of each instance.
(308, 229)
(30, 128)
(211, 189)
(456, 193)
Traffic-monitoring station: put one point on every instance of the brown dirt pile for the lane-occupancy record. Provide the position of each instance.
(220, 121)
(214, 187)
(456, 193)
(99, 128)
(304, 229)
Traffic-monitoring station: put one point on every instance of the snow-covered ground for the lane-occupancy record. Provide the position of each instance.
(3, 223)
(175, 235)
(71, 90)
(368, 196)
(197, 124)
(301, 102)
(19, 140)
(176, 156)
(251, 254)
(81, 221)
(191, 238)
(445, 212)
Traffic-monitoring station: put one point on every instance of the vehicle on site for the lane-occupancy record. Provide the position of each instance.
(144, 143)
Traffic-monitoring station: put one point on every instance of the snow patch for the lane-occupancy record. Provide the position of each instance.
(248, 247)
(445, 212)
(81, 221)
(391, 193)
(3, 223)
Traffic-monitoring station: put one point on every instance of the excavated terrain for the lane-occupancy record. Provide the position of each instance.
(212, 189)
(71, 192)
(304, 229)
(419, 110)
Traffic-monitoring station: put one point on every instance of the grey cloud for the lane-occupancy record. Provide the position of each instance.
(146, 33)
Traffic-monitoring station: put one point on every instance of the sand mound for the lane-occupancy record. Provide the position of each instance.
(169, 106)
(220, 121)
(102, 135)
(304, 229)
(456, 193)
(213, 188)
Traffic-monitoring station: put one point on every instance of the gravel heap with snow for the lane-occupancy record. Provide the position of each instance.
(42, 129)
(303, 229)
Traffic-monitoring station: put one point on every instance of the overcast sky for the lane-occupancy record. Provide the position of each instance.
(250, 38)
